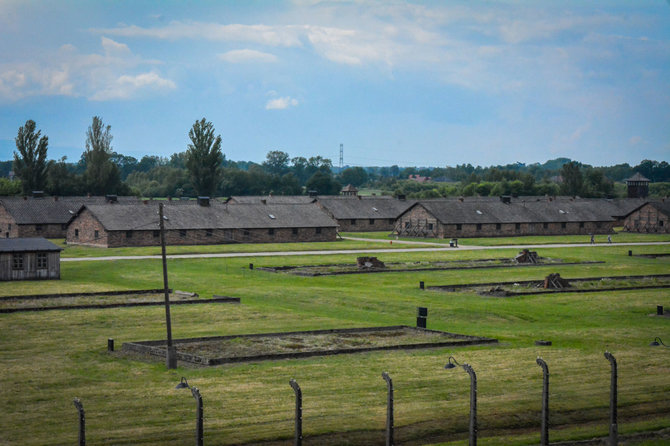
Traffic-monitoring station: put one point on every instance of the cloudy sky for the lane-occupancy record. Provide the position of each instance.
(408, 83)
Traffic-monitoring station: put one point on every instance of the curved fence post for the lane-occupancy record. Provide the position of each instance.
(82, 421)
(614, 428)
(199, 434)
(298, 412)
(473, 404)
(544, 437)
(389, 409)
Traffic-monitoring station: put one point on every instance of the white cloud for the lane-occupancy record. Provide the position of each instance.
(281, 103)
(247, 55)
(111, 74)
(126, 86)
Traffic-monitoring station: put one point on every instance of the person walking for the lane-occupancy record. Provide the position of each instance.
(593, 240)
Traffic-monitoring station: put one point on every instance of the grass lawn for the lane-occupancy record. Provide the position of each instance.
(618, 237)
(48, 358)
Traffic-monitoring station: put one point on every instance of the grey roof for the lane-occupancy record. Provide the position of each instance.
(472, 212)
(27, 244)
(238, 216)
(343, 208)
(270, 199)
(663, 206)
(638, 177)
(50, 210)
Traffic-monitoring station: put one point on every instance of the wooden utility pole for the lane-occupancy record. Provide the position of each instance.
(171, 356)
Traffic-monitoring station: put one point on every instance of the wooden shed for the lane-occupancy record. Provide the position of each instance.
(29, 259)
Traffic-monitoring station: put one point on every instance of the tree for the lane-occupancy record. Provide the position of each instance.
(30, 163)
(60, 181)
(354, 176)
(102, 176)
(204, 158)
(573, 180)
(276, 162)
(323, 184)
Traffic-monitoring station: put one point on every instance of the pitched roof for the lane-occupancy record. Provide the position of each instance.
(364, 207)
(638, 177)
(27, 244)
(472, 212)
(239, 216)
(270, 199)
(662, 206)
(50, 210)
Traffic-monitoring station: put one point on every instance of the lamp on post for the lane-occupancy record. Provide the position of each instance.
(614, 430)
(473, 397)
(657, 342)
(183, 384)
(544, 437)
(171, 354)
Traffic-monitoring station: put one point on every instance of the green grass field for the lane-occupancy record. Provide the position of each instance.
(49, 358)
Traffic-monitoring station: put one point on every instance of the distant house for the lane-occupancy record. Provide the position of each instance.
(29, 259)
(44, 216)
(200, 224)
(454, 218)
(419, 178)
(364, 214)
(653, 217)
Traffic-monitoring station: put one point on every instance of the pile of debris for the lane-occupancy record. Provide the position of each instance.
(527, 256)
(498, 291)
(369, 263)
(555, 281)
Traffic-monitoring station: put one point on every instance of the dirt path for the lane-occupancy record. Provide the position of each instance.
(353, 251)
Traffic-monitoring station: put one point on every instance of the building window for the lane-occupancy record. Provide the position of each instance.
(76, 233)
(129, 234)
(295, 231)
(182, 233)
(63, 226)
(318, 230)
(353, 221)
(372, 221)
(459, 227)
(498, 226)
(208, 233)
(517, 226)
(156, 234)
(391, 221)
(271, 231)
(245, 234)
(430, 226)
(42, 260)
(581, 224)
(228, 234)
(564, 225)
(407, 224)
(660, 223)
(17, 262)
(479, 226)
(545, 225)
(9, 226)
(96, 234)
(38, 228)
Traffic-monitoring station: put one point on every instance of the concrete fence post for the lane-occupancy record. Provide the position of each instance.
(544, 437)
(389, 409)
(614, 429)
(298, 412)
(82, 421)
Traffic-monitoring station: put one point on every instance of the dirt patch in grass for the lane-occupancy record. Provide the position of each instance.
(580, 285)
(257, 347)
(346, 268)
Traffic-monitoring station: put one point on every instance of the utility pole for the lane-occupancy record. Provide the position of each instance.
(171, 356)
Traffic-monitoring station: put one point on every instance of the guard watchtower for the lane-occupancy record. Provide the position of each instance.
(638, 186)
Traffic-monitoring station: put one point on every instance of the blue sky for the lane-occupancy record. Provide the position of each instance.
(408, 83)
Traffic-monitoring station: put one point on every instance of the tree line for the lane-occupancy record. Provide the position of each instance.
(202, 169)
